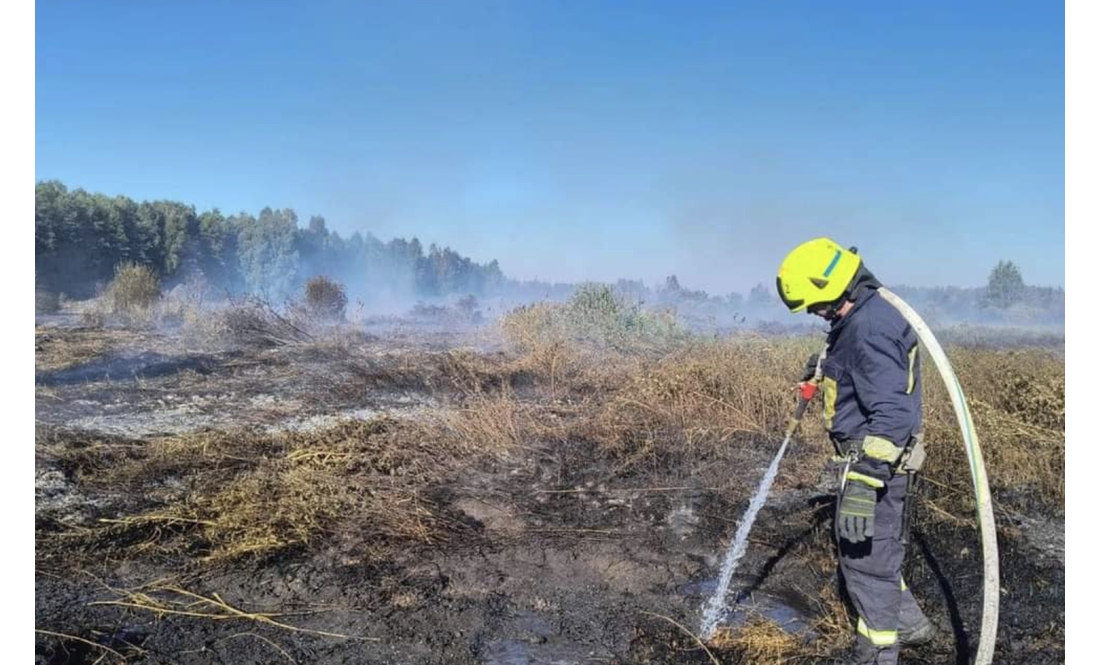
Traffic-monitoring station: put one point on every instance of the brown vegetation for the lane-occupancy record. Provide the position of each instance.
(325, 298)
(592, 378)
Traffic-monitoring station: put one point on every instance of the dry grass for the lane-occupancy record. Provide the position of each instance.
(700, 398)
(362, 483)
(763, 641)
(251, 492)
(312, 486)
(703, 398)
(166, 598)
(832, 624)
(663, 397)
(1017, 400)
(364, 488)
(490, 422)
(56, 349)
(830, 628)
(760, 641)
(103, 650)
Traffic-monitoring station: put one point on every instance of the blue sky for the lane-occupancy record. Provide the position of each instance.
(585, 140)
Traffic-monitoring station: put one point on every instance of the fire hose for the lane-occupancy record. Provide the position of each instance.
(982, 499)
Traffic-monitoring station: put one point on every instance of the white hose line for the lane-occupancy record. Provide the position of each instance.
(992, 585)
(715, 608)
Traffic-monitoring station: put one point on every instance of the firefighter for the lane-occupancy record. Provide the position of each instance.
(871, 386)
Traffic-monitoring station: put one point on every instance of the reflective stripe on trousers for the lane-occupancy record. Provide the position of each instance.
(871, 573)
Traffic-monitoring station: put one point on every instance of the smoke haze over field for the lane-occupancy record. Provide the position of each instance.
(82, 239)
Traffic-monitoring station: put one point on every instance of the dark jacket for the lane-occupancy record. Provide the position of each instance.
(871, 380)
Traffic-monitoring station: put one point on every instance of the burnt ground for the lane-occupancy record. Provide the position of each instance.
(557, 557)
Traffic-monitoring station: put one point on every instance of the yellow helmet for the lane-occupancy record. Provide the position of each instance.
(817, 272)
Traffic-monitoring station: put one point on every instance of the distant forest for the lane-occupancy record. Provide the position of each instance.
(81, 237)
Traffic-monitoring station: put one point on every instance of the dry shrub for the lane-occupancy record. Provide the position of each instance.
(296, 501)
(467, 306)
(429, 312)
(190, 310)
(439, 314)
(361, 476)
(252, 322)
(203, 328)
(134, 289)
(530, 326)
(129, 299)
(459, 314)
(325, 298)
(591, 342)
(594, 319)
(544, 348)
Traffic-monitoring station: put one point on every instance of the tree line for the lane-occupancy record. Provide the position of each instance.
(81, 237)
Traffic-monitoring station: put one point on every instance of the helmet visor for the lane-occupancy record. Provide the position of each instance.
(792, 305)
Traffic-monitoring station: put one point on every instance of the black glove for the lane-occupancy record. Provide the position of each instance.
(811, 367)
(856, 514)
